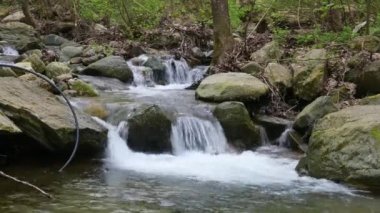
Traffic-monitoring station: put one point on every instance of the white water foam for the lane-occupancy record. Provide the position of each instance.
(7, 50)
(248, 168)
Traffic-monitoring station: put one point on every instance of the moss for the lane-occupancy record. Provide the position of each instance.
(84, 89)
(375, 132)
(97, 110)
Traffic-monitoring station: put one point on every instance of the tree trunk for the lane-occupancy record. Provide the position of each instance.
(222, 30)
(28, 15)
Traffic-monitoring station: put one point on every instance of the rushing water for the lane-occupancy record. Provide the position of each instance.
(203, 175)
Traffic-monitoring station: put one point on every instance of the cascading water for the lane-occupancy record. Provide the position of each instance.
(9, 51)
(283, 140)
(195, 134)
(177, 71)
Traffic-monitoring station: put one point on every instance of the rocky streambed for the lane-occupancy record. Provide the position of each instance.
(160, 143)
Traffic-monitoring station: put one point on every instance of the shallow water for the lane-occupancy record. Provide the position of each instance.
(193, 180)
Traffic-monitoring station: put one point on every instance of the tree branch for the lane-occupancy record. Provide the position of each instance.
(26, 184)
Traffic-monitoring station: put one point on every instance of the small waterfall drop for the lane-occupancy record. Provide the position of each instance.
(9, 51)
(177, 71)
(283, 140)
(195, 134)
(264, 136)
(142, 76)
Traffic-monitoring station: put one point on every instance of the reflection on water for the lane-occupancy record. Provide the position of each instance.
(92, 187)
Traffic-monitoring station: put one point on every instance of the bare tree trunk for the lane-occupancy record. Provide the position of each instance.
(28, 15)
(222, 29)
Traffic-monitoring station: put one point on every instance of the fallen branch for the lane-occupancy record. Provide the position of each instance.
(26, 183)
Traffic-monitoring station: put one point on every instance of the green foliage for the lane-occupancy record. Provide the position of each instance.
(321, 38)
(94, 10)
(281, 35)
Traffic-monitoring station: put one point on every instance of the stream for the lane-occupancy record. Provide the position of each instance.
(203, 175)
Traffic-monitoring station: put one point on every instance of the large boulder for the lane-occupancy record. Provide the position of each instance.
(345, 147)
(231, 87)
(314, 111)
(271, 52)
(367, 79)
(55, 69)
(237, 125)
(309, 72)
(41, 116)
(23, 37)
(111, 67)
(278, 75)
(149, 130)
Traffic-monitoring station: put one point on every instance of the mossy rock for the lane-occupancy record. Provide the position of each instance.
(314, 111)
(158, 67)
(55, 69)
(345, 147)
(37, 64)
(22, 36)
(239, 129)
(271, 52)
(83, 88)
(252, 68)
(278, 75)
(370, 100)
(368, 43)
(97, 110)
(309, 74)
(231, 87)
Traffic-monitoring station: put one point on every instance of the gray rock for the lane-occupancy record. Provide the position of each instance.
(42, 117)
(111, 67)
(239, 129)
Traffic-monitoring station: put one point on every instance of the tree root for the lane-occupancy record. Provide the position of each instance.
(26, 184)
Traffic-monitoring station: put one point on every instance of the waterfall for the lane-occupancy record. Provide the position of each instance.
(142, 76)
(264, 136)
(195, 134)
(283, 140)
(7, 50)
(177, 71)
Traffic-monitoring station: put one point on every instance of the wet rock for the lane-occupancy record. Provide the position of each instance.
(278, 75)
(111, 67)
(271, 52)
(231, 87)
(239, 129)
(273, 125)
(36, 81)
(83, 88)
(309, 73)
(22, 36)
(149, 130)
(158, 67)
(345, 147)
(97, 110)
(89, 60)
(42, 117)
(314, 111)
(55, 69)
